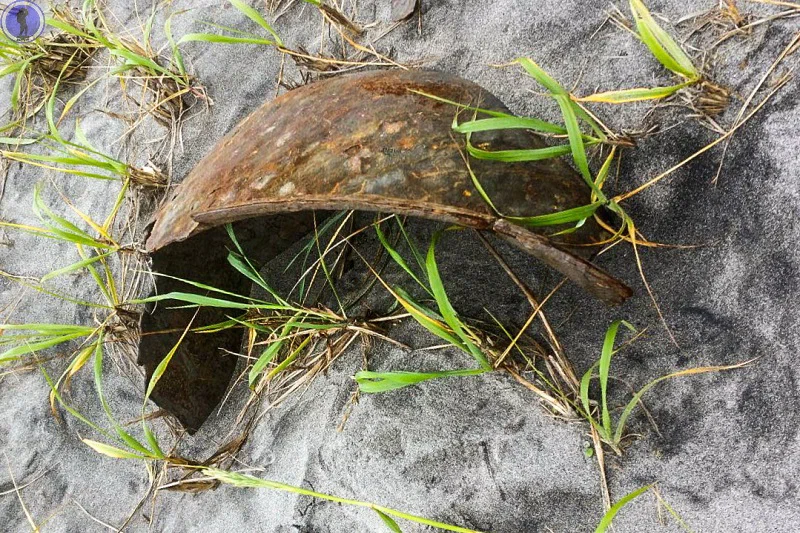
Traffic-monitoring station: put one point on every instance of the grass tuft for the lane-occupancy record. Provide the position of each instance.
(38, 66)
(613, 433)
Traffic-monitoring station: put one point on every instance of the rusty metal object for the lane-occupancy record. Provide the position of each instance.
(363, 142)
(402, 9)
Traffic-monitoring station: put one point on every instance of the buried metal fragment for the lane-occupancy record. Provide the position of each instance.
(364, 142)
(402, 9)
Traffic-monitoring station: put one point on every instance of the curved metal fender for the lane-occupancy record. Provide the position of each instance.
(364, 142)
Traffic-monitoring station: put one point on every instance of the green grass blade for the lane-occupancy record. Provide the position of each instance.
(584, 391)
(243, 266)
(162, 366)
(226, 28)
(48, 328)
(15, 91)
(148, 27)
(49, 109)
(269, 354)
(576, 144)
(13, 67)
(111, 451)
(413, 247)
(688, 372)
(75, 159)
(246, 481)
(144, 62)
(514, 156)
(208, 288)
(602, 174)
(561, 217)
(634, 95)
(507, 123)
(401, 262)
(661, 45)
(177, 56)
(290, 358)
(266, 357)
(490, 112)
(67, 28)
(446, 308)
(256, 17)
(377, 382)
(98, 383)
(73, 100)
(242, 263)
(544, 79)
(33, 158)
(658, 51)
(198, 299)
(19, 141)
(46, 214)
(75, 266)
(609, 516)
(69, 409)
(389, 521)
(604, 366)
(427, 318)
(29, 348)
(80, 135)
(152, 440)
(224, 39)
(305, 251)
(479, 186)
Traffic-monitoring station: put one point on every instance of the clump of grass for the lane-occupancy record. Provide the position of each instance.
(612, 432)
(82, 159)
(575, 116)
(165, 87)
(443, 322)
(294, 324)
(490, 350)
(704, 96)
(297, 341)
(79, 157)
(96, 248)
(114, 327)
(38, 66)
(114, 331)
(446, 324)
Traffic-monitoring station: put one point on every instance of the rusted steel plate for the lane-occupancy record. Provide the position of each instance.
(402, 9)
(364, 142)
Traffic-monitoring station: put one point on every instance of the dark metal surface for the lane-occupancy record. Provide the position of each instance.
(363, 142)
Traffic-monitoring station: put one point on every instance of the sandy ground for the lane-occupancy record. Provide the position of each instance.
(477, 452)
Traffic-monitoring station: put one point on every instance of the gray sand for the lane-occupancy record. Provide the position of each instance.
(477, 452)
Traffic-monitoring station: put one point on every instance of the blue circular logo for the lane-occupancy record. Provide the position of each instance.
(23, 21)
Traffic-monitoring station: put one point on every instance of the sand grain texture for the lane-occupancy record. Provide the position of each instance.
(477, 452)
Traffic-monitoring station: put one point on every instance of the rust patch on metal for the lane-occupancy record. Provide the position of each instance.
(363, 142)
